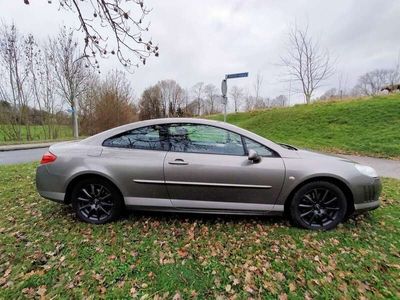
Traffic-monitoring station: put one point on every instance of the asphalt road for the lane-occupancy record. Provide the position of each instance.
(21, 156)
(384, 167)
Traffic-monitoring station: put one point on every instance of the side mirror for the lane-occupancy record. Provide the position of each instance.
(253, 156)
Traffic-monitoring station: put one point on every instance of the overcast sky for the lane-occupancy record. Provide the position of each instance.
(203, 40)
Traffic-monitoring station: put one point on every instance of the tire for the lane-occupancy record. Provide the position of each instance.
(318, 205)
(96, 201)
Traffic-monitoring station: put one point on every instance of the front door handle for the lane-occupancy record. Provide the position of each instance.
(179, 162)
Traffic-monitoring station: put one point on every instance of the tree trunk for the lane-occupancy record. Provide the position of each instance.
(308, 98)
(74, 120)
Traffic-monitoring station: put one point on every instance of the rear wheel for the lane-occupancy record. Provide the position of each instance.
(318, 205)
(96, 201)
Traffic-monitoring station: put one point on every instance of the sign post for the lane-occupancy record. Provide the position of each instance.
(224, 90)
(224, 87)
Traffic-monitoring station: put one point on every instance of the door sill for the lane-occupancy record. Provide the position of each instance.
(205, 211)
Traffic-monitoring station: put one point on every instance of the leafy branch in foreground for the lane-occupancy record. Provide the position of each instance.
(122, 20)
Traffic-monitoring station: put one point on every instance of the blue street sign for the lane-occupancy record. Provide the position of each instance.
(236, 75)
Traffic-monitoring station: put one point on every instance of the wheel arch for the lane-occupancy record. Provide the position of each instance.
(82, 176)
(338, 182)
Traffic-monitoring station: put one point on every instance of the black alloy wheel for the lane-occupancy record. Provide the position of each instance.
(96, 201)
(318, 205)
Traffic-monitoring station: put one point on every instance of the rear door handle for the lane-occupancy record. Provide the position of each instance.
(179, 162)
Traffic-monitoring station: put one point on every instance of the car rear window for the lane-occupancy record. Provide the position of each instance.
(145, 138)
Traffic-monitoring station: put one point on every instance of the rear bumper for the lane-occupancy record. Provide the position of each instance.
(54, 196)
(50, 186)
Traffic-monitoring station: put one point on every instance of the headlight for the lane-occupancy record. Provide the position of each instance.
(365, 170)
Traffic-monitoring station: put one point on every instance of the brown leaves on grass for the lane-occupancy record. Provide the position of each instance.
(161, 257)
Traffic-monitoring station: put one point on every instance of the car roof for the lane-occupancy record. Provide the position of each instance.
(99, 138)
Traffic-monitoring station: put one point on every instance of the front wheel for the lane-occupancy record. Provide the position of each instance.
(318, 205)
(96, 201)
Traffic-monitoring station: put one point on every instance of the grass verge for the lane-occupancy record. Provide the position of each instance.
(45, 252)
(361, 126)
(37, 135)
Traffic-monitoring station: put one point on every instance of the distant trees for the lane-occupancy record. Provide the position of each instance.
(112, 28)
(279, 101)
(38, 79)
(115, 104)
(372, 82)
(164, 99)
(27, 87)
(237, 95)
(14, 87)
(198, 92)
(107, 103)
(172, 97)
(203, 99)
(150, 104)
(212, 103)
(306, 63)
(332, 93)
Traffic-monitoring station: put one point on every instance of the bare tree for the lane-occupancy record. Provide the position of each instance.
(211, 95)
(306, 63)
(185, 102)
(14, 87)
(115, 105)
(342, 85)
(125, 21)
(87, 105)
(70, 72)
(237, 95)
(198, 91)
(150, 106)
(43, 84)
(257, 86)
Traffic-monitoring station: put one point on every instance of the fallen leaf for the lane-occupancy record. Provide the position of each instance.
(182, 252)
(283, 296)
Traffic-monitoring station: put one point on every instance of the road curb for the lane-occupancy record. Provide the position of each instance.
(24, 147)
(31, 146)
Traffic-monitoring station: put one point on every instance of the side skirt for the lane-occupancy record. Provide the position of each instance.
(210, 207)
(205, 211)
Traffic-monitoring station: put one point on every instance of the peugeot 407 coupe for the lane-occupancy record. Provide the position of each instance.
(196, 165)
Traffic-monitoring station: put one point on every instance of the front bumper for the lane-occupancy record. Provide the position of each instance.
(367, 196)
(367, 205)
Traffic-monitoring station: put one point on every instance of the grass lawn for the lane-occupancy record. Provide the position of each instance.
(45, 252)
(364, 126)
(64, 133)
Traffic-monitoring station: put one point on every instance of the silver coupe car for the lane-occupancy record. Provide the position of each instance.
(196, 165)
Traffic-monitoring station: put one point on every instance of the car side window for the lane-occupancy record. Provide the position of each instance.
(198, 138)
(145, 138)
(260, 149)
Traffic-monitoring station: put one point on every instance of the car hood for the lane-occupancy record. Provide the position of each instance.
(313, 154)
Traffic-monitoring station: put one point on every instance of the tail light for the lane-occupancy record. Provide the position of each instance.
(48, 157)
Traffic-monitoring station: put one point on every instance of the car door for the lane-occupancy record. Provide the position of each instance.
(207, 168)
(135, 160)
